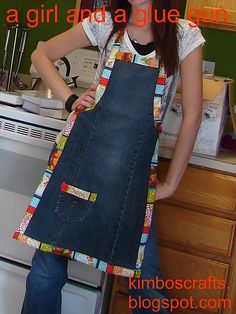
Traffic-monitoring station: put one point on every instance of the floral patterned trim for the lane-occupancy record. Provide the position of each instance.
(88, 196)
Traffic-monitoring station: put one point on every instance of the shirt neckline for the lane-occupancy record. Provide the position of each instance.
(133, 50)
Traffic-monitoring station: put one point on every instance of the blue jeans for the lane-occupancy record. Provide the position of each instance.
(49, 274)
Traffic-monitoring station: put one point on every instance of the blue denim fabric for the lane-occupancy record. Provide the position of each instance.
(49, 274)
(109, 152)
(44, 283)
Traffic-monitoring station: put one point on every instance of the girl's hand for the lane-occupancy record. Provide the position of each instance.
(86, 99)
(164, 190)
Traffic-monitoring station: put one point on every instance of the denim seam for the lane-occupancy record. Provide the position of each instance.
(54, 234)
(95, 124)
(127, 189)
(77, 171)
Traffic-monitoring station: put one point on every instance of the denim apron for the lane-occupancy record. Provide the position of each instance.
(95, 200)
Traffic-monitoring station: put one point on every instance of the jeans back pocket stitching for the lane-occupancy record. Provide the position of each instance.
(89, 199)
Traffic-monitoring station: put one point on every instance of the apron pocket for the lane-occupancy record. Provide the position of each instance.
(74, 203)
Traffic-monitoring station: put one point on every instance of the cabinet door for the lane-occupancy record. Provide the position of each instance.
(215, 13)
(120, 305)
(204, 188)
(204, 280)
(200, 231)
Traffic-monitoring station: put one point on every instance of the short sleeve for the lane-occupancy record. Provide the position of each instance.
(190, 38)
(98, 27)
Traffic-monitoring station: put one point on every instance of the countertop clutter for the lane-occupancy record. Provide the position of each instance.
(215, 143)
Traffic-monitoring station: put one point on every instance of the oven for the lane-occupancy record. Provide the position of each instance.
(25, 143)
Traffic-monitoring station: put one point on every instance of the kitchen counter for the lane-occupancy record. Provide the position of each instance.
(224, 161)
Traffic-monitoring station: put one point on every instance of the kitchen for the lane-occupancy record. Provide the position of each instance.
(41, 131)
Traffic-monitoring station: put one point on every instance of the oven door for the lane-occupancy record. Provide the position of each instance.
(21, 167)
(74, 295)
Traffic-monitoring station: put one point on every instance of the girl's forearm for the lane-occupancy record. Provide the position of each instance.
(183, 150)
(50, 75)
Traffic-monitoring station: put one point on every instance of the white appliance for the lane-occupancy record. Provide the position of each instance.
(25, 143)
(80, 64)
(76, 299)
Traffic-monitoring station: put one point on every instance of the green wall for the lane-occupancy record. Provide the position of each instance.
(220, 45)
(42, 32)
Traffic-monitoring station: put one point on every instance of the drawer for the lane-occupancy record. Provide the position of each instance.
(177, 265)
(204, 188)
(121, 306)
(196, 230)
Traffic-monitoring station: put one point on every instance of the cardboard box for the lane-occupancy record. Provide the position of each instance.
(217, 96)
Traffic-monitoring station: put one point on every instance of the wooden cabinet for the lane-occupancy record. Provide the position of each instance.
(197, 230)
(196, 241)
(219, 14)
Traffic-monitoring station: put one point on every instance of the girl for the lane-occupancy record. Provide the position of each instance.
(143, 65)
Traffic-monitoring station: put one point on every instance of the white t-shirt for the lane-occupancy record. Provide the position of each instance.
(189, 38)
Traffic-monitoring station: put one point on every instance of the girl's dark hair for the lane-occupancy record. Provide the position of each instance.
(165, 34)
